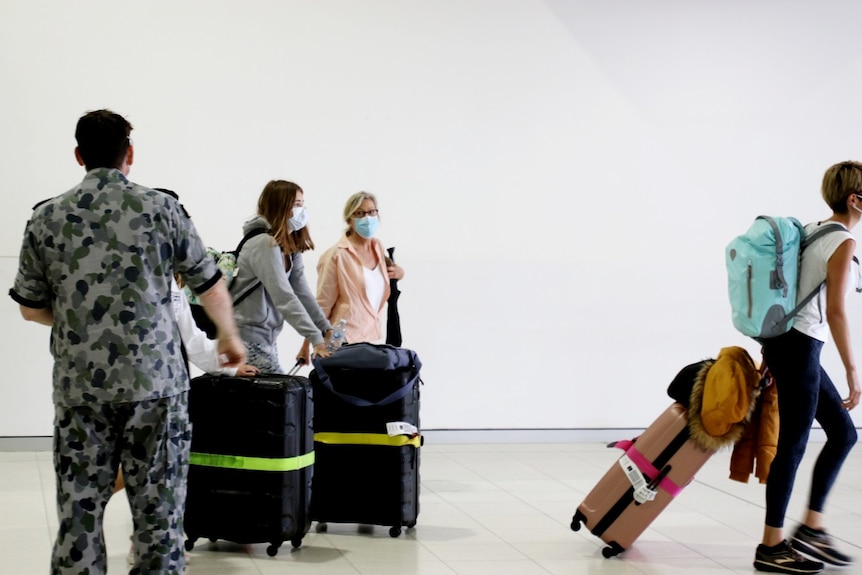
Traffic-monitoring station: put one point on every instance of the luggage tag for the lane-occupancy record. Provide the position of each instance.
(394, 428)
(643, 491)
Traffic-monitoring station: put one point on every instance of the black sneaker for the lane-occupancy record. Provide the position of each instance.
(783, 559)
(819, 545)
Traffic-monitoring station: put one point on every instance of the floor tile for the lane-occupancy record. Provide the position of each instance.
(501, 509)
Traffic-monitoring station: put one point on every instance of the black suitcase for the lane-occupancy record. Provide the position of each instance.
(251, 460)
(362, 474)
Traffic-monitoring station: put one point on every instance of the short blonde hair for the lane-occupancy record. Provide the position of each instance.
(353, 203)
(839, 182)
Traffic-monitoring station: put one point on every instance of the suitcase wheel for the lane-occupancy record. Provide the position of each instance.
(321, 527)
(296, 542)
(395, 531)
(612, 550)
(190, 544)
(577, 520)
(272, 550)
(411, 525)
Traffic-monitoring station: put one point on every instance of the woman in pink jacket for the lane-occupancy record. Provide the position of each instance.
(353, 275)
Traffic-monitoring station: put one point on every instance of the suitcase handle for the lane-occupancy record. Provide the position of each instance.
(296, 367)
(358, 401)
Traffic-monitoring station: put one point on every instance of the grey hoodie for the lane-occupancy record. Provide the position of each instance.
(283, 297)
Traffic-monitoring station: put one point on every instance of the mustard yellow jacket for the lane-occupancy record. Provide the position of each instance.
(729, 407)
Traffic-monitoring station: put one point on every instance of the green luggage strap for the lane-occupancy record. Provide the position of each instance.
(252, 463)
(368, 439)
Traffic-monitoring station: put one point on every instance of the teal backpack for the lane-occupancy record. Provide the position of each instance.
(762, 275)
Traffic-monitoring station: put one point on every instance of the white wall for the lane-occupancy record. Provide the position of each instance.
(560, 178)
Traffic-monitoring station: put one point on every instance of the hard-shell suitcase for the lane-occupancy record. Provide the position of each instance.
(251, 460)
(363, 473)
(654, 469)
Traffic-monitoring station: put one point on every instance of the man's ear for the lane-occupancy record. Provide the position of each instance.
(128, 160)
(78, 156)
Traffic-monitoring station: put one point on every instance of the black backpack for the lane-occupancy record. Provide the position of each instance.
(227, 263)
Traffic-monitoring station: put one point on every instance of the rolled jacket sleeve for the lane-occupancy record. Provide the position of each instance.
(327, 282)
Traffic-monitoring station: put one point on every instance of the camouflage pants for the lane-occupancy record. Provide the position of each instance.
(264, 357)
(150, 440)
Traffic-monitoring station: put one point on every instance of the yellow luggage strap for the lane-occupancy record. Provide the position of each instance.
(368, 439)
(252, 463)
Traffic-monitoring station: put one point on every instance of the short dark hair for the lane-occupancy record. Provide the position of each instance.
(103, 139)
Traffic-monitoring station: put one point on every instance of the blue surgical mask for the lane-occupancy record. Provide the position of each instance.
(298, 219)
(366, 226)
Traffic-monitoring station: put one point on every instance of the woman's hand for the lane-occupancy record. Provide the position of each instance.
(320, 350)
(855, 390)
(303, 357)
(395, 272)
(246, 370)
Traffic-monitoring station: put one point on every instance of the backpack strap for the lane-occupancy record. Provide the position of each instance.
(810, 239)
(821, 231)
(253, 233)
(777, 280)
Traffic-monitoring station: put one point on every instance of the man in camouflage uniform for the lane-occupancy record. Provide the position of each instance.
(96, 265)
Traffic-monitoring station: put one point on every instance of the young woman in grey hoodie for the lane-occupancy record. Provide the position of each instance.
(269, 285)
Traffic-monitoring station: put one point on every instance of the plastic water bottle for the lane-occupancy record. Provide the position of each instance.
(339, 333)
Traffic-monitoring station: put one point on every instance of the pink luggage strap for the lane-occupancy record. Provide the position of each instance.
(645, 466)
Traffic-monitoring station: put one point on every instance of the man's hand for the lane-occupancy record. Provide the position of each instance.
(231, 351)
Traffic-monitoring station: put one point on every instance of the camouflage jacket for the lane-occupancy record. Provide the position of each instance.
(102, 257)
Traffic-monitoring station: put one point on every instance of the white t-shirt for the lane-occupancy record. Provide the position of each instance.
(811, 319)
(374, 286)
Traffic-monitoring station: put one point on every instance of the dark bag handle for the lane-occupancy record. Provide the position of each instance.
(398, 394)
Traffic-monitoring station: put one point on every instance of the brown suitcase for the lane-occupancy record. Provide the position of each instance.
(662, 461)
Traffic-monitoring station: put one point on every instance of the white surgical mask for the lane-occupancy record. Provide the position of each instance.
(298, 219)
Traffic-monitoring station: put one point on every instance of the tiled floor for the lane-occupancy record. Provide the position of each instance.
(486, 509)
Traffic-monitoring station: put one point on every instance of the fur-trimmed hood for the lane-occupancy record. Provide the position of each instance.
(723, 399)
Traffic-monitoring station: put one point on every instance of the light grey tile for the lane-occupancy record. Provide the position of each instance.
(496, 508)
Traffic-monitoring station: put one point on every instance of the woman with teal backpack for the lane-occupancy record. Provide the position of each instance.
(805, 391)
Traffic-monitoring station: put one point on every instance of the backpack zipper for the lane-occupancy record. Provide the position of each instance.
(748, 274)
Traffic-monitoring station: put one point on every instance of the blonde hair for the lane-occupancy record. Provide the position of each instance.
(353, 203)
(839, 181)
(275, 205)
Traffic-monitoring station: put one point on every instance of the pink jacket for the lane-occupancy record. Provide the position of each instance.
(341, 291)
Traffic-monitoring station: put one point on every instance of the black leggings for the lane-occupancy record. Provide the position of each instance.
(805, 393)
